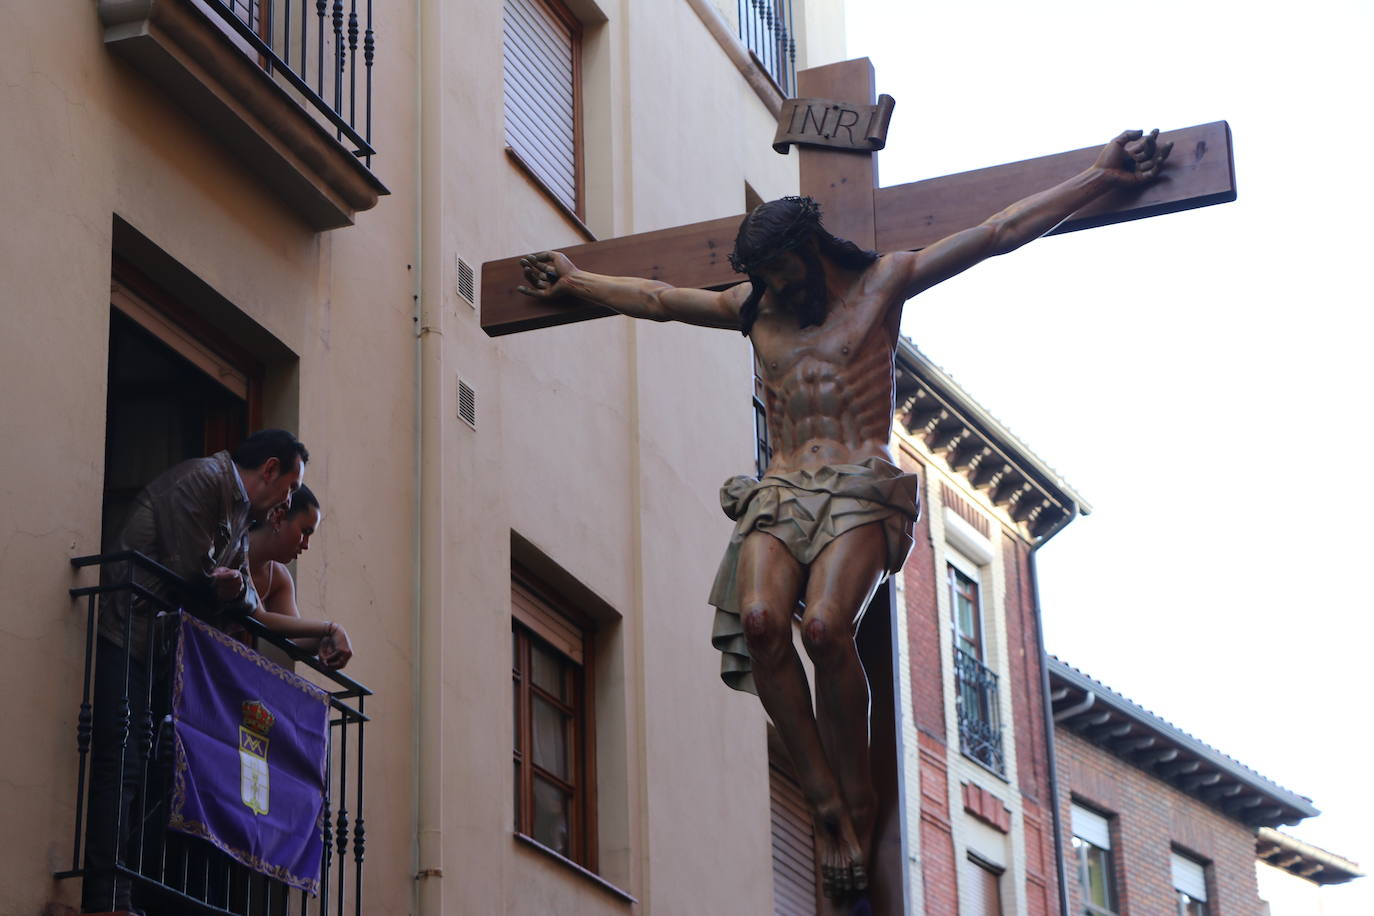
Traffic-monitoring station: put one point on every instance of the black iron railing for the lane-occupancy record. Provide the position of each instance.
(168, 872)
(766, 27)
(312, 47)
(980, 718)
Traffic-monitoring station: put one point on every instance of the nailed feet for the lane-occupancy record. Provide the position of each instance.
(840, 856)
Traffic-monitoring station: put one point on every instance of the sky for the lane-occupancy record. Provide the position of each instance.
(1201, 378)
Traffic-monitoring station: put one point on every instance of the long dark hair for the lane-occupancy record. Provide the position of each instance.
(782, 225)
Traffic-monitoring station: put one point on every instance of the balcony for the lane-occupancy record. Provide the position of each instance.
(980, 719)
(285, 85)
(170, 873)
(765, 26)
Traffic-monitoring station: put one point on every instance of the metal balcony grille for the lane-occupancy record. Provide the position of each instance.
(766, 28)
(169, 872)
(312, 48)
(980, 719)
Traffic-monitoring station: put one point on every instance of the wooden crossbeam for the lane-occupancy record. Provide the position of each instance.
(910, 216)
(1199, 173)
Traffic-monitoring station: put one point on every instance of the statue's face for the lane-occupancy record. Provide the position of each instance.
(786, 276)
(797, 283)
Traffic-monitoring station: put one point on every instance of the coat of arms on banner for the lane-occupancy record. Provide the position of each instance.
(229, 706)
(254, 784)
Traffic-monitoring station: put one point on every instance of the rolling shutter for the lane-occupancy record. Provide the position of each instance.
(1093, 827)
(794, 857)
(1189, 876)
(541, 71)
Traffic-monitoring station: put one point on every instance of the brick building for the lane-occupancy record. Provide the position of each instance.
(1154, 820)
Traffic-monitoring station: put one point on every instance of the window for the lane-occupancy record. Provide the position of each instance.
(543, 52)
(982, 888)
(554, 765)
(968, 618)
(763, 447)
(1190, 884)
(976, 690)
(1092, 844)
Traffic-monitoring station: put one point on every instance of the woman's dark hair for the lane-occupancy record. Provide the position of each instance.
(253, 452)
(782, 225)
(301, 500)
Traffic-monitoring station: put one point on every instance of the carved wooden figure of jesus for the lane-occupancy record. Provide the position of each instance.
(832, 516)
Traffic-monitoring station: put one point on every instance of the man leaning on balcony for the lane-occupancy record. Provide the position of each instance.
(193, 519)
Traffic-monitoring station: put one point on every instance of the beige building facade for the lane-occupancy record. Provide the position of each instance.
(161, 187)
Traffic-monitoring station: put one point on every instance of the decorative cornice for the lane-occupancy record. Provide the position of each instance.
(932, 408)
(1309, 862)
(1105, 718)
(178, 47)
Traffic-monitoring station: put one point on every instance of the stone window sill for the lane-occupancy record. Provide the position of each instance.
(586, 874)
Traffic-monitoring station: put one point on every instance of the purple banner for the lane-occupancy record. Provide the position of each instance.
(251, 745)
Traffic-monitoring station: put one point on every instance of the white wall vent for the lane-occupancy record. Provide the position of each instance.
(467, 404)
(466, 281)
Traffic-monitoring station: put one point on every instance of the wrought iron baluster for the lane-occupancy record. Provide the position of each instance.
(145, 739)
(327, 850)
(265, 12)
(359, 832)
(85, 725)
(369, 48)
(319, 46)
(122, 719)
(285, 32)
(337, 19)
(341, 826)
(353, 62)
(305, 30)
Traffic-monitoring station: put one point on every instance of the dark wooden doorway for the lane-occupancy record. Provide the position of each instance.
(175, 390)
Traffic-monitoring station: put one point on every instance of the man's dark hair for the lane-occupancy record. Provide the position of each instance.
(301, 500)
(782, 225)
(253, 452)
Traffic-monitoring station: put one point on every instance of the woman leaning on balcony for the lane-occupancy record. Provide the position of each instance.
(277, 540)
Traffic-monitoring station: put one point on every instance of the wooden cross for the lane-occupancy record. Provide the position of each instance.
(910, 216)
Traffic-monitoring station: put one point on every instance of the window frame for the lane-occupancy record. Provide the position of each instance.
(577, 210)
(1184, 899)
(957, 568)
(539, 618)
(1082, 847)
(985, 870)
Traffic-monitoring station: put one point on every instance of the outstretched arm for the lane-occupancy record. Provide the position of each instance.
(550, 275)
(1132, 159)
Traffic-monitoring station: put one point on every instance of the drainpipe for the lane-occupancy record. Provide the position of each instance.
(1061, 875)
(427, 628)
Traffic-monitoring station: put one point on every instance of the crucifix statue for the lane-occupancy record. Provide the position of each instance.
(832, 515)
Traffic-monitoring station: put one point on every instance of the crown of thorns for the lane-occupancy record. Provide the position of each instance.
(805, 221)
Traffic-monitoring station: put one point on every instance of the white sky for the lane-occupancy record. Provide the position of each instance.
(1202, 378)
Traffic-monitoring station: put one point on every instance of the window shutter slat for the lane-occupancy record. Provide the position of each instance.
(1189, 876)
(540, 95)
(1093, 827)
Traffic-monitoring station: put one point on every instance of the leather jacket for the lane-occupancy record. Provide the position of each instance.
(191, 519)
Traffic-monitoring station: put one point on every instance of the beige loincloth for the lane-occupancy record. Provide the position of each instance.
(806, 510)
